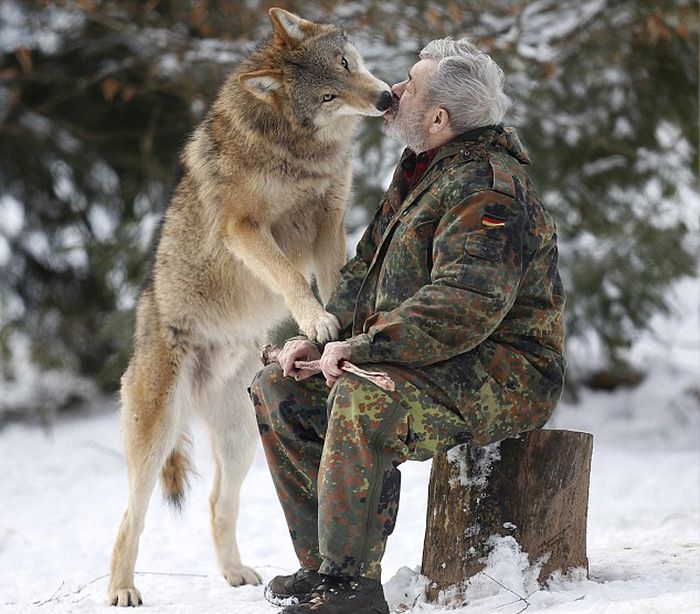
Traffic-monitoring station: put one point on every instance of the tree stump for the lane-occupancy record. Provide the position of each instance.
(533, 487)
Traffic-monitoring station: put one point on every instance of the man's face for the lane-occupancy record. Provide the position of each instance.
(409, 119)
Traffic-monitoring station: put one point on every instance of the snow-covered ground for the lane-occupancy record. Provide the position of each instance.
(62, 494)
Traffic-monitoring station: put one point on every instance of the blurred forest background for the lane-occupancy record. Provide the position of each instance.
(98, 96)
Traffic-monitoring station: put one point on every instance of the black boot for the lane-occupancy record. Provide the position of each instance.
(284, 590)
(343, 595)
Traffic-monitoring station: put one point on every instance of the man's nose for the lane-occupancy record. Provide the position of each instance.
(398, 89)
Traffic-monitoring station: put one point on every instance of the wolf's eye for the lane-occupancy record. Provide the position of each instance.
(328, 97)
(344, 64)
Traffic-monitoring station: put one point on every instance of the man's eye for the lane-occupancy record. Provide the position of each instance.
(328, 97)
(344, 64)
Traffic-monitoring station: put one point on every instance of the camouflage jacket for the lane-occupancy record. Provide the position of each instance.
(465, 262)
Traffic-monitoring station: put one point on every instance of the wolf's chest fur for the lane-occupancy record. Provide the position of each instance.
(267, 188)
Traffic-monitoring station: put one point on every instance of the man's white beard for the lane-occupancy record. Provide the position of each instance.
(407, 128)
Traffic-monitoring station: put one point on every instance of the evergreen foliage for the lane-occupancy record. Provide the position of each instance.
(98, 96)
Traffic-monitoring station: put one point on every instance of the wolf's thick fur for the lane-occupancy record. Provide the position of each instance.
(259, 209)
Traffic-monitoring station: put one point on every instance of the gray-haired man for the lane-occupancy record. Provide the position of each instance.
(455, 292)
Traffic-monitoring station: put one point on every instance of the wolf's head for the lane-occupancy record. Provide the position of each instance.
(313, 75)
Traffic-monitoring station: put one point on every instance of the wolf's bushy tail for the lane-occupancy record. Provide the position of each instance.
(174, 476)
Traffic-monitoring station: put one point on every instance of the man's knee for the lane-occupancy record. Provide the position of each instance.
(264, 387)
(346, 393)
(356, 403)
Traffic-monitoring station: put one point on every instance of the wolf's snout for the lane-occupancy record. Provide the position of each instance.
(384, 101)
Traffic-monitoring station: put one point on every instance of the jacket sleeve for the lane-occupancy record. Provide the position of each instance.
(342, 301)
(477, 264)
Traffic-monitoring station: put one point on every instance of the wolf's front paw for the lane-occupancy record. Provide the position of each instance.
(323, 328)
(125, 597)
(240, 575)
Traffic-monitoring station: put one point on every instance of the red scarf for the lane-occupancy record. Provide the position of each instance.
(414, 166)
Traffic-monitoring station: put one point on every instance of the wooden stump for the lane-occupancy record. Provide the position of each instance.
(533, 487)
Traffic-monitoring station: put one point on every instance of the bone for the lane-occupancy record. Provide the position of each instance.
(270, 353)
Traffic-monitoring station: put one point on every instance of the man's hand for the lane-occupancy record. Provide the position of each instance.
(333, 354)
(297, 349)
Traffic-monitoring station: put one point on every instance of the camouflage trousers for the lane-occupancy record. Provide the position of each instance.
(334, 457)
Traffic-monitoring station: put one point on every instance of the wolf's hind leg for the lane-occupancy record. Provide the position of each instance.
(151, 429)
(234, 433)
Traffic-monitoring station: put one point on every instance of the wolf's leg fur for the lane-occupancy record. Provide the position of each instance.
(329, 248)
(152, 424)
(329, 253)
(234, 433)
(254, 244)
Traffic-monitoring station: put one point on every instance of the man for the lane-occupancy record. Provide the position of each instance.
(454, 291)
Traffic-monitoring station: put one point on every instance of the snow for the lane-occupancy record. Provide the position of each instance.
(63, 491)
(17, 29)
(476, 472)
(11, 215)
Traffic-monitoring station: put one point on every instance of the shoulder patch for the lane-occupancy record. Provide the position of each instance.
(503, 179)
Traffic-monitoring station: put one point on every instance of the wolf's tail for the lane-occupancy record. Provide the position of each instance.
(174, 476)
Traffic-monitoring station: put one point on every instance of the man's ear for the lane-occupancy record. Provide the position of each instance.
(262, 83)
(441, 121)
(288, 28)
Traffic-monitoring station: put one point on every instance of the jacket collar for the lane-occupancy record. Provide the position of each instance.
(470, 140)
(446, 149)
(470, 145)
(475, 141)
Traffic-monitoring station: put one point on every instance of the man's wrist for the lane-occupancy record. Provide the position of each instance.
(319, 346)
(360, 348)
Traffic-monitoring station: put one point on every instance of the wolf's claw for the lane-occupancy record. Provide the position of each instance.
(125, 597)
(323, 328)
(238, 576)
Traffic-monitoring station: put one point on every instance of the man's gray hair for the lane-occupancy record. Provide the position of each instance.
(468, 84)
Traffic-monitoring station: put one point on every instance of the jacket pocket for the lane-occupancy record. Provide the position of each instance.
(406, 264)
(481, 264)
(424, 233)
(481, 246)
(425, 229)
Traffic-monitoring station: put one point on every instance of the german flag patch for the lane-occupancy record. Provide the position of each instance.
(491, 221)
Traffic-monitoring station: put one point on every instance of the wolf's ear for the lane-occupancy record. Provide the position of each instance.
(289, 28)
(262, 83)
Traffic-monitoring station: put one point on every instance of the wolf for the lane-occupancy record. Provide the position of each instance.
(259, 208)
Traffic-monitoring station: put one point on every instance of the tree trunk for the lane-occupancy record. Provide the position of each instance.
(533, 488)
